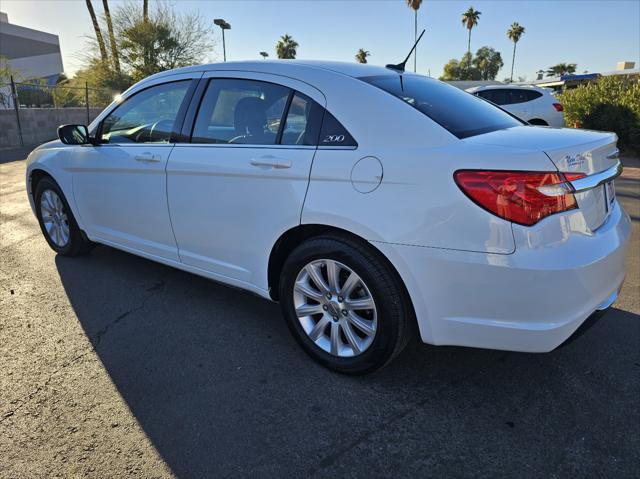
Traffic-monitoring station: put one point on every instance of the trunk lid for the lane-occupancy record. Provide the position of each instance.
(572, 151)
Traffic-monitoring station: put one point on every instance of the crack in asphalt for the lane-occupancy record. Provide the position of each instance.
(94, 340)
(97, 337)
(331, 459)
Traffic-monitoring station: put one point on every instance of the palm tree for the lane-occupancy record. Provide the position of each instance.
(514, 33)
(361, 56)
(469, 20)
(415, 6)
(264, 55)
(112, 38)
(286, 47)
(96, 27)
(561, 69)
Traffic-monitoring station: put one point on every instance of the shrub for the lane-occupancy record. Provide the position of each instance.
(611, 104)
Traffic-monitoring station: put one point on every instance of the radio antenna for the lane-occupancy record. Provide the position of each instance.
(400, 66)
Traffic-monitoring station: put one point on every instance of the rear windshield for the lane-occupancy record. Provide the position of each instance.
(457, 111)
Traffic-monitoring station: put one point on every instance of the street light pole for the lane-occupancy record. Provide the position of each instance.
(224, 47)
(223, 26)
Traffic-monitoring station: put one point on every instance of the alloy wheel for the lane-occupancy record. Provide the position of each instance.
(335, 308)
(54, 218)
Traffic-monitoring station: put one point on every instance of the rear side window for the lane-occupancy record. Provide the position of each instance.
(499, 96)
(517, 95)
(334, 134)
(302, 125)
(240, 111)
(509, 96)
(457, 111)
(533, 95)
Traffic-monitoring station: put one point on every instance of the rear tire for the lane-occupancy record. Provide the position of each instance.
(371, 321)
(57, 223)
(538, 122)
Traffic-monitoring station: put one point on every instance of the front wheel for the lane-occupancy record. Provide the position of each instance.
(57, 223)
(344, 304)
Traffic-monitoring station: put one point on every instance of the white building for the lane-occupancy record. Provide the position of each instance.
(32, 53)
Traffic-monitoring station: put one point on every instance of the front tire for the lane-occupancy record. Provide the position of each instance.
(57, 223)
(344, 304)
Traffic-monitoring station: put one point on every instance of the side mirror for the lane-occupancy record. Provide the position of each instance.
(74, 134)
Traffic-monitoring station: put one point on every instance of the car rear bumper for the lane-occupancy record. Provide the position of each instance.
(530, 301)
(556, 121)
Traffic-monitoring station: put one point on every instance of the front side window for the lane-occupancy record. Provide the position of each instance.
(146, 117)
(457, 111)
(235, 111)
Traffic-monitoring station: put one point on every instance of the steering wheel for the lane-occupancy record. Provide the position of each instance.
(239, 139)
(163, 126)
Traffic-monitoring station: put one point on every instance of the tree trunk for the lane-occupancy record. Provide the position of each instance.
(145, 19)
(469, 52)
(112, 38)
(513, 60)
(96, 27)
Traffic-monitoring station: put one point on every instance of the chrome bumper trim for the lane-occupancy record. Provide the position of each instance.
(597, 179)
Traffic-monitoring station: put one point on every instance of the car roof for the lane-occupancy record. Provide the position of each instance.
(287, 67)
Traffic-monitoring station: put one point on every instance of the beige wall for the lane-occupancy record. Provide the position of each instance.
(39, 124)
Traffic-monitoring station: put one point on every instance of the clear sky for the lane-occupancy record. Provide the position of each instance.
(595, 34)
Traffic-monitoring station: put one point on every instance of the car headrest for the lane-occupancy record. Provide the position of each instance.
(250, 117)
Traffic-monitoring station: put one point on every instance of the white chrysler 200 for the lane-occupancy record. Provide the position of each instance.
(364, 199)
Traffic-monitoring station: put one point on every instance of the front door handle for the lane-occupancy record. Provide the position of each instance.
(269, 161)
(147, 158)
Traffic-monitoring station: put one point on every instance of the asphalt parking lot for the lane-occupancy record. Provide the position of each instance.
(115, 366)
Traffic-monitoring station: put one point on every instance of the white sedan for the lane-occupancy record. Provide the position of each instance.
(364, 199)
(534, 105)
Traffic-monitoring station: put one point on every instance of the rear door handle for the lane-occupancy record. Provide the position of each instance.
(147, 158)
(269, 161)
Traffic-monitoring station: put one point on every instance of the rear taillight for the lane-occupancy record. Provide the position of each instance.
(558, 106)
(574, 176)
(524, 197)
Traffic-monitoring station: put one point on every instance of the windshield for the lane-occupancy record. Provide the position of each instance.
(459, 112)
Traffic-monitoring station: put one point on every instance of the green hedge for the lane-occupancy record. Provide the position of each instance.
(610, 104)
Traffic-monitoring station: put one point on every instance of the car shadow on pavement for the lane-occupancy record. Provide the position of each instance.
(220, 387)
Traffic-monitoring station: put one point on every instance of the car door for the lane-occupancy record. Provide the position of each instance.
(241, 181)
(120, 185)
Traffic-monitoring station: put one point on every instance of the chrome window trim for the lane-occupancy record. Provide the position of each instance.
(325, 147)
(238, 145)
